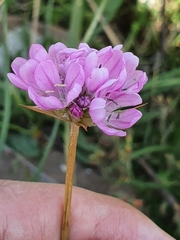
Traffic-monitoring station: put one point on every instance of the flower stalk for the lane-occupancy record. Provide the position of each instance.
(74, 132)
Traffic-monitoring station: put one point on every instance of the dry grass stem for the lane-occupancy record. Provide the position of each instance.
(74, 131)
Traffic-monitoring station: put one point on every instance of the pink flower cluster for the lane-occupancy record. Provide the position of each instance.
(103, 84)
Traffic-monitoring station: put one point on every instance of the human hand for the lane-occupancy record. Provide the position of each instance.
(33, 211)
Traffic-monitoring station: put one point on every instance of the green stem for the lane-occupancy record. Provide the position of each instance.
(75, 23)
(94, 22)
(35, 20)
(47, 150)
(7, 94)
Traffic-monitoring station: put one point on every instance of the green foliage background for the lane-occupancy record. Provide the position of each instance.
(148, 159)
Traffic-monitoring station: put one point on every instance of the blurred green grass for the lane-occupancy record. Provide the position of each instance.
(148, 158)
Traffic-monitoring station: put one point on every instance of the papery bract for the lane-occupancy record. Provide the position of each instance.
(84, 85)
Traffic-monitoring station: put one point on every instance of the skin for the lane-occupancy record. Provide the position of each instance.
(33, 211)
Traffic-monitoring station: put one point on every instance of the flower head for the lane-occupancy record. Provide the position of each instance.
(83, 85)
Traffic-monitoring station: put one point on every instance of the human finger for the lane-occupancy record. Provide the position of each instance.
(33, 211)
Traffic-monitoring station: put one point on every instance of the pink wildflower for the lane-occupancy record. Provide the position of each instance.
(85, 83)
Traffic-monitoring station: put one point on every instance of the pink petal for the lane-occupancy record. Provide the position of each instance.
(131, 62)
(38, 52)
(118, 47)
(17, 81)
(77, 54)
(122, 77)
(46, 103)
(136, 82)
(98, 77)
(73, 93)
(26, 71)
(97, 110)
(74, 74)
(104, 55)
(115, 64)
(47, 75)
(112, 85)
(106, 88)
(55, 48)
(124, 99)
(86, 48)
(90, 64)
(17, 63)
(111, 131)
(126, 119)
(64, 56)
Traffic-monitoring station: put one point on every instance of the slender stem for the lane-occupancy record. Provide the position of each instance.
(105, 25)
(6, 88)
(74, 131)
(76, 20)
(47, 150)
(66, 136)
(35, 20)
(94, 22)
